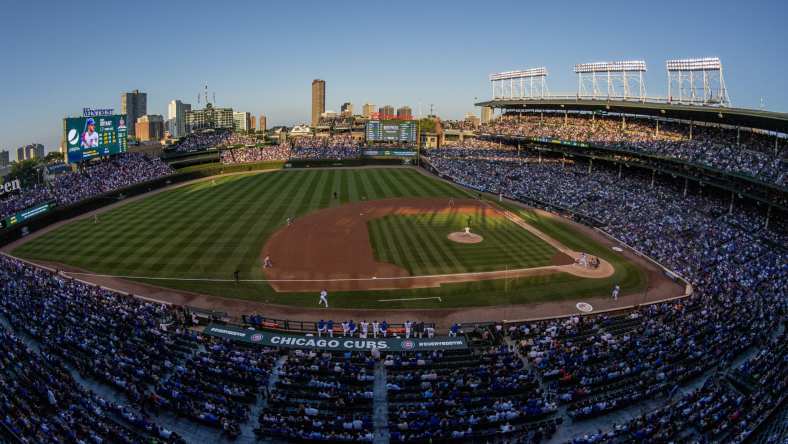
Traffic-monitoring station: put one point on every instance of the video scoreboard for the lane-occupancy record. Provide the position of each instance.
(391, 131)
(89, 137)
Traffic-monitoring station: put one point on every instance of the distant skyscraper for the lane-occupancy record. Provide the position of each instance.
(32, 151)
(252, 123)
(263, 124)
(404, 113)
(176, 118)
(318, 100)
(368, 110)
(241, 120)
(5, 158)
(347, 109)
(209, 118)
(150, 127)
(134, 105)
(386, 112)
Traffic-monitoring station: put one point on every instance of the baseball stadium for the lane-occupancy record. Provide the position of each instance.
(596, 267)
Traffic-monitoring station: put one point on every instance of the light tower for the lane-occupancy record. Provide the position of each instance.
(525, 84)
(611, 80)
(697, 82)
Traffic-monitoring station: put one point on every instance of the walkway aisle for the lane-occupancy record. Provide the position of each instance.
(247, 429)
(380, 405)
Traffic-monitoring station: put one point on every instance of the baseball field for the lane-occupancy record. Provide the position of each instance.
(195, 237)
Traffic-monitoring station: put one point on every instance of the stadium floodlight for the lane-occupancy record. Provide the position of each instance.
(611, 80)
(520, 84)
(627, 65)
(533, 72)
(706, 63)
(697, 81)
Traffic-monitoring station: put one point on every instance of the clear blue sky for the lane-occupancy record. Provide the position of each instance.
(261, 56)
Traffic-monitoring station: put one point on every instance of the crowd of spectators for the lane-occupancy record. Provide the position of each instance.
(202, 141)
(599, 364)
(592, 365)
(479, 393)
(89, 180)
(753, 155)
(338, 147)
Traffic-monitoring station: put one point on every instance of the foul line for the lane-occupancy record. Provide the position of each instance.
(374, 278)
(410, 299)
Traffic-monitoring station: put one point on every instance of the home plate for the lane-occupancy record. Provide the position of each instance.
(410, 299)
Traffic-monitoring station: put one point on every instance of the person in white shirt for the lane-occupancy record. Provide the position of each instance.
(323, 298)
(364, 328)
(90, 138)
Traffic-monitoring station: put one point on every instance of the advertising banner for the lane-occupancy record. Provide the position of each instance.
(288, 340)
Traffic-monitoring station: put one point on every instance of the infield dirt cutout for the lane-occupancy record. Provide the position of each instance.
(330, 249)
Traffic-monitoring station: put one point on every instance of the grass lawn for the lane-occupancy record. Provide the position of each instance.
(419, 243)
(211, 228)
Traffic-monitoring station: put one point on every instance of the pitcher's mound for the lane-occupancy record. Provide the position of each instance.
(465, 238)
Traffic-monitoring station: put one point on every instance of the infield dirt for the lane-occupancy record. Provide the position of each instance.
(330, 249)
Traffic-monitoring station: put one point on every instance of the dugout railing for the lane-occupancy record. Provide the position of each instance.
(295, 326)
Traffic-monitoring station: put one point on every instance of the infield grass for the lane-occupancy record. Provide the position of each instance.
(211, 228)
(419, 243)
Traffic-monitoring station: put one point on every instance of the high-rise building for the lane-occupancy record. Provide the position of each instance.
(368, 110)
(487, 114)
(404, 113)
(149, 127)
(32, 151)
(176, 118)
(134, 105)
(318, 100)
(263, 124)
(252, 123)
(347, 109)
(473, 120)
(386, 112)
(241, 120)
(5, 158)
(209, 118)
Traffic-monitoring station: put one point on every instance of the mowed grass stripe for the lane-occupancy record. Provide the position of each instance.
(257, 229)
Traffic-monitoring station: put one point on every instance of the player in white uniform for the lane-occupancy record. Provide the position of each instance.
(323, 298)
(364, 328)
(375, 328)
(90, 138)
(616, 291)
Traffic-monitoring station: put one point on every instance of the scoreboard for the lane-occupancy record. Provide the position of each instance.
(391, 131)
(89, 137)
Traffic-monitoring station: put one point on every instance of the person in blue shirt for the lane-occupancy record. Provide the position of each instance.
(321, 328)
(384, 327)
(330, 327)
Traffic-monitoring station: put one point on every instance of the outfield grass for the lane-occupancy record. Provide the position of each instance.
(419, 243)
(211, 228)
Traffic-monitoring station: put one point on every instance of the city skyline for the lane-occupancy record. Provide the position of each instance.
(417, 69)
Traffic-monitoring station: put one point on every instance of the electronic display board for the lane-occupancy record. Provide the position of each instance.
(89, 137)
(391, 131)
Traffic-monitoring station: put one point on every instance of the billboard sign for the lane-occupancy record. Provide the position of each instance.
(26, 214)
(288, 340)
(95, 112)
(89, 137)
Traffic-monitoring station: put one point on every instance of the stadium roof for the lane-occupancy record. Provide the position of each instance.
(749, 118)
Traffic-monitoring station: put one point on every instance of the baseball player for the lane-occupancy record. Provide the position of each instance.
(408, 327)
(267, 262)
(384, 328)
(375, 329)
(364, 328)
(330, 328)
(323, 298)
(345, 328)
(616, 291)
(321, 328)
(352, 328)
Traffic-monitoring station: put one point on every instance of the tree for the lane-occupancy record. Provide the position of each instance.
(27, 171)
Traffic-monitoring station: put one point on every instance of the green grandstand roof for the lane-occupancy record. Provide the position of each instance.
(748, 118)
